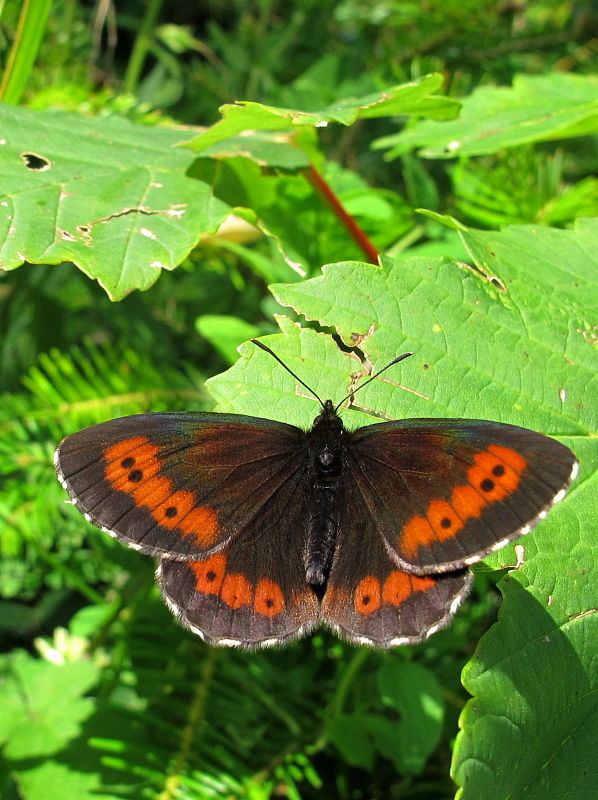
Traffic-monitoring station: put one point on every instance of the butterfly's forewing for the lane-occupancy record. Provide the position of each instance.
(369, 599)
(445, 493)
(182, 485)
(253, 593)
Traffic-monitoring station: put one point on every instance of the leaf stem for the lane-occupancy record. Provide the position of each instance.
(324, 188)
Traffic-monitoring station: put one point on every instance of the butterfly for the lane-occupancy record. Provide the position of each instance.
(264, 531)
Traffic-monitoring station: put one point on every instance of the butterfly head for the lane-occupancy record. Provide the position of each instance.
(327, 434)
(328, 416)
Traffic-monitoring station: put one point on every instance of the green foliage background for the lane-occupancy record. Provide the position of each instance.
(461, 137)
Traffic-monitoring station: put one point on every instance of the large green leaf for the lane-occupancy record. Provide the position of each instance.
(110, 196)
(124, 201)
(531, 729)
(537, 108)
(508, 337)
(410, 98)
(490, 341)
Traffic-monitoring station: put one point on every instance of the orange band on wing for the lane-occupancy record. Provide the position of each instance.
(130, 462)
(152, 492)
(269, 599)
(236, 591)
(201, 523)
(209, 574)
(368, 595)
(133, 466)
(495, 474)
(399, 586)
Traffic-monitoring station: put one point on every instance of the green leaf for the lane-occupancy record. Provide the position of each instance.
(413, 692)
(530, 729)
(225, 333)
(42, 704)
(410, 98)
(54, 781)
(521, 184)
(350, 735)
(508, 337)
(118, 204)
(90, 619)
(266, 148)
(538, 108)
(490, 342)
(564, 267)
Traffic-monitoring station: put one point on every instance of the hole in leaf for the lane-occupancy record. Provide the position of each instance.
(35, 162)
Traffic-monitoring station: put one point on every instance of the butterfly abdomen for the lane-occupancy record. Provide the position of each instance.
(326, 471)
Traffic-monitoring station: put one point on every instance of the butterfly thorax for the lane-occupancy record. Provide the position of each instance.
(326, 440)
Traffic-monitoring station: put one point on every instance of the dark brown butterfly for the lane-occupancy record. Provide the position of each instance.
(264, 530)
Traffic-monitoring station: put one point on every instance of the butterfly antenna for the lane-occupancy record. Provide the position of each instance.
(288, 369)
(375, 375)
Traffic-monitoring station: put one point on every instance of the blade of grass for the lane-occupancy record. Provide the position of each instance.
(28, 38)
(142, 44)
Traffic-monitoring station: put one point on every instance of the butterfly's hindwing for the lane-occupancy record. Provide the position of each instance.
(253, 593)
(370, 599)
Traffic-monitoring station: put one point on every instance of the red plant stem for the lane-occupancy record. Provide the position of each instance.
(356, 232)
